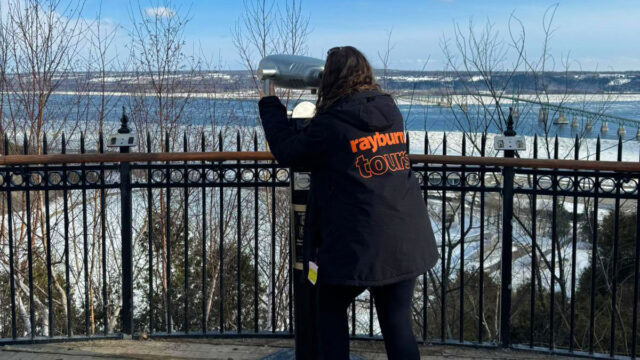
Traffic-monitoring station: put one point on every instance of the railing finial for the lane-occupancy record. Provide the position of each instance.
(510, 131)
(124, 121)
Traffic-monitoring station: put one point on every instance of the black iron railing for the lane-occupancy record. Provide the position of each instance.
(197, 244)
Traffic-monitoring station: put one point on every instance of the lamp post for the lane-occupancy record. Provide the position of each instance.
(124, 140)
(509, 143)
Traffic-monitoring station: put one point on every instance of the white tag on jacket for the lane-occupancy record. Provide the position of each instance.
(313, 272)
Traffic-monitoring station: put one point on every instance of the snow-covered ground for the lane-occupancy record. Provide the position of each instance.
(551, 98)
(522, 242)
(403, 99)
(608, 147)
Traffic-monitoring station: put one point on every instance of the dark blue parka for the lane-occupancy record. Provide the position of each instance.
(366, 214)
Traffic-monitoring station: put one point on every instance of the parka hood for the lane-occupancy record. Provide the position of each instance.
(367, 111)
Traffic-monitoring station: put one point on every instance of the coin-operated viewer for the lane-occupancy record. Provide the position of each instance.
(303, 73)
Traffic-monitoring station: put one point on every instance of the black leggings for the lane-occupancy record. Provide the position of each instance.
(393, 304)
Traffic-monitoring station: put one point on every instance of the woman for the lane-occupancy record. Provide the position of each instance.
(366, 215)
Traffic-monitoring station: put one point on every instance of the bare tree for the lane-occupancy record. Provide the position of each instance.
(43, 38)
(4, 49)
(384, 58)
(161, 67)
(254, 33)
(161, 92)
(485, 64)
(264, 29)
(293, 28)
(39, 40)
(102, 65)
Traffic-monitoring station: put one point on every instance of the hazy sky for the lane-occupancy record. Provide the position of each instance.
(597, 34)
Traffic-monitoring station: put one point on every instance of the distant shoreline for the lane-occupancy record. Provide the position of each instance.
(402, 98)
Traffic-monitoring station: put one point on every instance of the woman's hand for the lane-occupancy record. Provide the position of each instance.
(272, 91)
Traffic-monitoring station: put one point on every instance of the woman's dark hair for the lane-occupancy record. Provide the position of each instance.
(346, 71)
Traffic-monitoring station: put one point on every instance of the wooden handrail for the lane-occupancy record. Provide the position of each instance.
(621, 166)
(114, 157)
